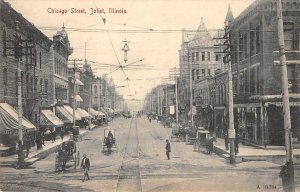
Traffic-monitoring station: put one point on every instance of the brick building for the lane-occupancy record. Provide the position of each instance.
(199, 58)
(35, 65)
(256, 73)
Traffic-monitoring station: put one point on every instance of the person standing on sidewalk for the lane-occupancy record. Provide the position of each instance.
(28, 146)
(168, 149)
(226, 140)
(236, 143)
(85, 164)
(62, 134)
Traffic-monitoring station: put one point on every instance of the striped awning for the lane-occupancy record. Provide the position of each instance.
(82, 112)
(63, 114)
(93, 112)
(9, 120)
(47, 118)
(70, 111)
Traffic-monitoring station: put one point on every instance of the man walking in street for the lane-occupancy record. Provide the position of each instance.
(85, 164)
(168, 149)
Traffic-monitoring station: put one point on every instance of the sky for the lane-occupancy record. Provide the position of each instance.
(153, 32)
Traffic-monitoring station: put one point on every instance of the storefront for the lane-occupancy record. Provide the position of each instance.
(49, 122)
(9, 128)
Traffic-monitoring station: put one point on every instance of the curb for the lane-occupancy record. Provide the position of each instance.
(41, 155)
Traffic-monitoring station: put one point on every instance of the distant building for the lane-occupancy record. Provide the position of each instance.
(199, 58)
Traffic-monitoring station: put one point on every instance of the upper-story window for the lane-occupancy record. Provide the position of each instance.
(5, 81)
(208, 56)
(40, 60)
(193, 57)
(203, 56)
(291, 36)
(197, 56)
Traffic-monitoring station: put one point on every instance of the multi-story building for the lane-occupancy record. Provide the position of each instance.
(256, 73)
(199, 59)
(34, 61)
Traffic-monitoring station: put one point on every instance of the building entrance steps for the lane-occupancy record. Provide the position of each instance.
(275, 154)
(34, 154)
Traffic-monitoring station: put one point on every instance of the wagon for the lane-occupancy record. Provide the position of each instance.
(66, 152)
(203, 141)
(109, 142)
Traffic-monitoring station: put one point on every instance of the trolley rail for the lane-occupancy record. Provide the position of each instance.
(129, 173)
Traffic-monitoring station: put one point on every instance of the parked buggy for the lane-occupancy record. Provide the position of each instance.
(204, 141)
(66, 152)
(109, 143)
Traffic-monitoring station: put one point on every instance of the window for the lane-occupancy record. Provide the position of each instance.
(198, 76)
(252, 41)
(241, 46)
(46, 85)
(257, 40)
(291, 78)
(5, 81)
(208, 72)
(208, 56)
(193, 55)
(40, 60)
(4, 40)
(197, 56)
(252, 81)
(193, 76)
(203, 56)
(217, 57)
(203, 72)
(41, 85)
(290, 40)
(245, 45)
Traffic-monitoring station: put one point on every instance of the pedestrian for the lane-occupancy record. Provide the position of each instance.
(150, 119)
(28, 146)
(226, 140)
(85, 164)
(62, 134)
(236, 143)
(168, 149)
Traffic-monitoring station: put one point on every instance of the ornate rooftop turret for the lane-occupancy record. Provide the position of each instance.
(61, 36)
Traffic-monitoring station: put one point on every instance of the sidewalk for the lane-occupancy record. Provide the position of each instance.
(35, 155)
(275, 154)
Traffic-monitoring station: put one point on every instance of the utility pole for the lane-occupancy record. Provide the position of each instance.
(18, 55)
(285, 102)
(174, 74)
(191, 90)
(90, 87)
(231, 130)
(74, 92)
(166, 101)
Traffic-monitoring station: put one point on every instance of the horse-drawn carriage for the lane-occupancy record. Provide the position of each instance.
(66, 152)
(109, 142)
(204, 141)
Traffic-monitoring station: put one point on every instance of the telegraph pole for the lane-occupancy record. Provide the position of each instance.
(191, 90)
(285, 101)
(74, 92)
(18, 55)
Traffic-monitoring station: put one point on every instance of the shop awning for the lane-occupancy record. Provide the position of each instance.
(70, 111)
(9, 120)
(63, 114)
(100, 113)
(48, 118)
(78, 98)
(78, 82)
(93, 112)
(82, 112)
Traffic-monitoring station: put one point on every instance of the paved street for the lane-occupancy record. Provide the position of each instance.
(141, 145)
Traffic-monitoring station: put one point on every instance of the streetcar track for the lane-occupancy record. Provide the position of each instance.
(129, 172)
